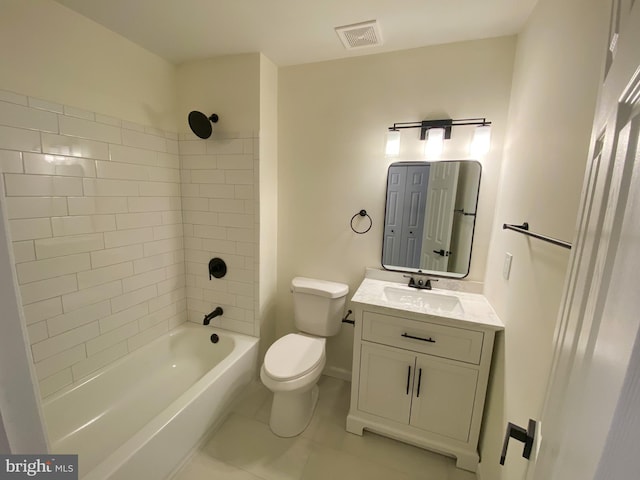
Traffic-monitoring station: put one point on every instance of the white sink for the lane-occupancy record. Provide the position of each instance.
(423, 299)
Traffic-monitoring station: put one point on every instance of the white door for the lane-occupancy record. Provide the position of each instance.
(441, 197)
(413, 218)
(600, 317)
(396, 184)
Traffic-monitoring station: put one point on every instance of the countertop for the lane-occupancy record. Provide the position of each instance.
(476, 309)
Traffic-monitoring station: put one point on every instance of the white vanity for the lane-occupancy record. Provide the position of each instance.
(421, 361)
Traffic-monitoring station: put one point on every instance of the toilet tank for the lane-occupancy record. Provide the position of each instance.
(318, 305)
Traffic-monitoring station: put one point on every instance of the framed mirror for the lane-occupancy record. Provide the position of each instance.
(430, 216)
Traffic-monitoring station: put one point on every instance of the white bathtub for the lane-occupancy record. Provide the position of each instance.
(139, 417)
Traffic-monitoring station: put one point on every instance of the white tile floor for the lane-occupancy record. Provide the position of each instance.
(244, 448)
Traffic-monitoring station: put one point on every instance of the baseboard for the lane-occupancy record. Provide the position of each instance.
(336, 372)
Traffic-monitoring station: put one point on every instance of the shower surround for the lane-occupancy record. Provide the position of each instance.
(111, 237)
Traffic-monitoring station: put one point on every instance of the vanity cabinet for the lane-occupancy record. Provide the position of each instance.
(417, 390)
(421, 379)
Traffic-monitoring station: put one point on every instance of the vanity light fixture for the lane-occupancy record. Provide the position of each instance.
(436, 131)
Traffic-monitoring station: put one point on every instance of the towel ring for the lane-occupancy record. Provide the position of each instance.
(361, 213)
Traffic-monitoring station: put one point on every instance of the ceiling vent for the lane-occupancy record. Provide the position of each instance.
(360, 35)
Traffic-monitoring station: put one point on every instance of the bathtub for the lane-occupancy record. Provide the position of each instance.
(140, 417)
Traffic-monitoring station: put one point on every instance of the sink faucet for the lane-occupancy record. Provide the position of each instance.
(216, 313)
(420, 281)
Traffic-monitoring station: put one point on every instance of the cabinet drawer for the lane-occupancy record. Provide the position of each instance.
(439, 340)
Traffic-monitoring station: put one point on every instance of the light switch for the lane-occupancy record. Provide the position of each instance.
(506, 268)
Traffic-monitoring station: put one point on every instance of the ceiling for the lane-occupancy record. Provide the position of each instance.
(291, 32)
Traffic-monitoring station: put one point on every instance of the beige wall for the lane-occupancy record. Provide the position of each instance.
(332, 122)
(556, 76)
(268, 202)
(50, 52)
(228, 85)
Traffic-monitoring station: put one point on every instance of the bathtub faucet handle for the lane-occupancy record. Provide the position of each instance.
(216, 313)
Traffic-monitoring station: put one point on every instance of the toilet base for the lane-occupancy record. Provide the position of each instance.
(292, 411)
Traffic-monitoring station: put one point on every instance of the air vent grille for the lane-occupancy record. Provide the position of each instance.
(360, 35)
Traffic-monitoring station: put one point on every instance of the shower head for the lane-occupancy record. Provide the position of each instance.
(201, 124)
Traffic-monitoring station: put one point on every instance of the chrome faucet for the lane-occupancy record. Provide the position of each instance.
(420, 281)
(216, 313)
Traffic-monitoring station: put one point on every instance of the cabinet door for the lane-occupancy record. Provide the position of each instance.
(386, 382)
(443, 398)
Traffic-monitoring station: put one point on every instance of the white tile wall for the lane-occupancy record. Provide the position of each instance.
(45, 105)
(42, 185)
(38, 311)
(219, 178)
(30, 229)
(43, 289)
(58, 247)
(94, 204)
(54, 267)
(10, 162)
(69, 321)
(112, 237)
(30, 118)
(36, 207)
(46, 164)
(79, 127)
(100, 276)
(19, 139)
(74, 147)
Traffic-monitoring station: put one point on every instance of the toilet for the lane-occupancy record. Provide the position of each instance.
(293, 364)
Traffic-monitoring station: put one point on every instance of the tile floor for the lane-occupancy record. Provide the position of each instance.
(244, 448)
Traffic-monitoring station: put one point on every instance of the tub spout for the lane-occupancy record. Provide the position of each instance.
(216, 313)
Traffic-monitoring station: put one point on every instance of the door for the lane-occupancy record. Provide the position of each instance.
(386, 382)
(413, 219)
(404, 222)
(396, 184)
(590, 408)
(436, 243)
(443, 398)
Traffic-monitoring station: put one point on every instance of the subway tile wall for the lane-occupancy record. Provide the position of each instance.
(95, 217)
(220, 213)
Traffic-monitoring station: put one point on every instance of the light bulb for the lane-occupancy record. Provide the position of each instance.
(435, 142)
(393, 143)
(481, 141)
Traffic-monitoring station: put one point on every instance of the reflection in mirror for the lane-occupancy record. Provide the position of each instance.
(430, 217)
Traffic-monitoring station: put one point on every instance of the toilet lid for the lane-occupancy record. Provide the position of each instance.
(293, 356)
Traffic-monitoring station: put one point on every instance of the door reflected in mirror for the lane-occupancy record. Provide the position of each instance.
(430, 217)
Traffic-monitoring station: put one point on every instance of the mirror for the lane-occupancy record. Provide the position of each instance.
(430, 216)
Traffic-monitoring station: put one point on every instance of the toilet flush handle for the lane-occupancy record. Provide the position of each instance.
(346, 318)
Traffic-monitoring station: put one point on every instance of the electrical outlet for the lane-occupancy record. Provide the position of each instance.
(506, 267)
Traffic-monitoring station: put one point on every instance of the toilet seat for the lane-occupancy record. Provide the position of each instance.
(293, 356)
